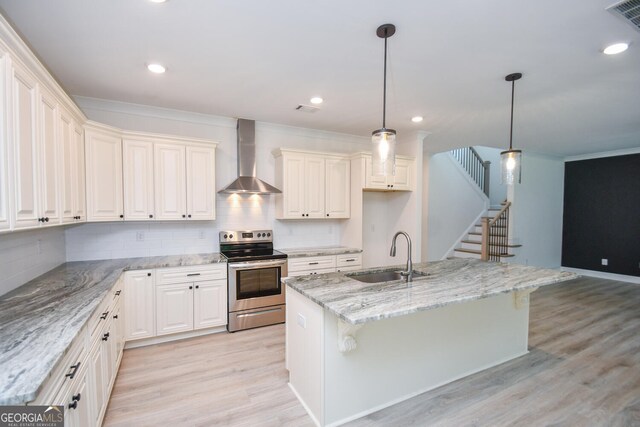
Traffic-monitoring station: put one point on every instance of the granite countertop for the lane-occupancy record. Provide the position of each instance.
(319, 251)
(447, 282)
(40, 319)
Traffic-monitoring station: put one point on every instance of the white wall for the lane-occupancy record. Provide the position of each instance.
(25, 255)
(118, 240)
(536, 212)
(454, 202)
(497, 191)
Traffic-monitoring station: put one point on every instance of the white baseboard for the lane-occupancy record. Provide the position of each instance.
(173, 337)
(603, 275)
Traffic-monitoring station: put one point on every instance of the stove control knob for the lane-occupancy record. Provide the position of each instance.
(268, 234)
(231, 236)
(263, 235)
(225, 236)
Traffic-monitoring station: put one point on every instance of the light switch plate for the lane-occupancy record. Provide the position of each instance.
(605, 261)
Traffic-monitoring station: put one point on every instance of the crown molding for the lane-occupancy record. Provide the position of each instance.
(614, 153)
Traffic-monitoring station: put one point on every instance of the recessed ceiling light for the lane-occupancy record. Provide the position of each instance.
(156, 68)
(157, 1)
(417, 119)
(615, 48)
(316, 100)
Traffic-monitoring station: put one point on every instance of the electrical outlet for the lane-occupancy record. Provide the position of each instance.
(302, 321)
(140, 236)
(605, 261)
(201, 234)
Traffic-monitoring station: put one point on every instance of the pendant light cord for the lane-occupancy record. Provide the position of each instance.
(513, 89)
(384, 92)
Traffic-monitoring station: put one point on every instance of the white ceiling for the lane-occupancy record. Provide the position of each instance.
(259, 59)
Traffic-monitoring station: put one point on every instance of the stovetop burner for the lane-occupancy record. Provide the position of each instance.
(248, 245)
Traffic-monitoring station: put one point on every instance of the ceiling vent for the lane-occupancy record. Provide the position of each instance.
(629, 10)
(307, 108)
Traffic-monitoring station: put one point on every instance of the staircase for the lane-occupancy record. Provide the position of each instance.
(471, 245)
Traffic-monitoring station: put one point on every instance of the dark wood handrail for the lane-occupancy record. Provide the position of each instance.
(495, 235)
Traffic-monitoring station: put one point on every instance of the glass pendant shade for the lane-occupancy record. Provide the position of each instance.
(384, 152)
(511, 166)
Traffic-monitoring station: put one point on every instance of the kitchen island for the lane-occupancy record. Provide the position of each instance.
(354, 348)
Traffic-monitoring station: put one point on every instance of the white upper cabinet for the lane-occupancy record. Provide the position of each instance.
(201, 182)
(403, 180)
(314, 185)
(103, 148)
(170, 178)
(67, 164)
(138, 179)
(24, 147)
(4, 147)
(49, 159)
(79, 175)
(338, 188)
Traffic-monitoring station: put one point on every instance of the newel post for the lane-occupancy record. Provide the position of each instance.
(487, 176)
(484, 255)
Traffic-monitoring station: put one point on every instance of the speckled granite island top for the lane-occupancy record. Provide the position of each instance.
(40, 319)
(319, 251)
(449, 281)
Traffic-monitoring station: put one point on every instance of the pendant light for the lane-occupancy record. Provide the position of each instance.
(383, 139)
(511, 160)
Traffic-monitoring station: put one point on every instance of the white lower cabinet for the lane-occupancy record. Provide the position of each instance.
(324, 264)
(139, 305)
(174, 308)
(77, 401)
(210, 304)
(96, 379)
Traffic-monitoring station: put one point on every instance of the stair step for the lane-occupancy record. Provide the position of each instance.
(473, 251)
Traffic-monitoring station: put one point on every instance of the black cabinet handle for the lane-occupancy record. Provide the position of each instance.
(121, 216)
(190, 287)
(189, 215)
(115, 317)
(349, 260)
(105, 337)
(150, 215)
(47, 219)
(302, 214)
(314, 263)
(104, 315)
(184, 216)
(118, 292)
(149, 274)
(193, 274)
(73, 405)
(42, 219)
(74, 370)
(76, 398)
(197, 286)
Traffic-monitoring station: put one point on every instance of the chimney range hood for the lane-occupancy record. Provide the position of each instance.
(247, 183)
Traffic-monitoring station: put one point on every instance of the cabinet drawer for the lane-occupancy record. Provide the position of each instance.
(349, 260)
(308, 272)
(167, 276)
(65, 371)
(311, 263)
(97, 319)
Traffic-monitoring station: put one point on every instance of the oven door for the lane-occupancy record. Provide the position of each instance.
(255, 284)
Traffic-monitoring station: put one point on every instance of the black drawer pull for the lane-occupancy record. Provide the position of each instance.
(73, 405)
(75, 369)
(314, 263)
(349, 260)
(190, 287)
(104, 315)
(193, 274)
(115, 317)
(105, 337)
(118, 292)
(197, 286)
(76, 398)
(149, 274)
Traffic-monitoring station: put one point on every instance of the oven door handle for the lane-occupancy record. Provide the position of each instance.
(257, 264)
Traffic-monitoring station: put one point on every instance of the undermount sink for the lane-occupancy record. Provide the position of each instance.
(382, 276)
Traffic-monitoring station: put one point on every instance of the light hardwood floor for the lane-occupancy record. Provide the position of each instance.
(583, 369)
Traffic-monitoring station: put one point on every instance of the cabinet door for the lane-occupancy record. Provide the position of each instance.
(24, 148)
(79, 409)
(108, 361)
(68, 166)
(118, 329)
(402, 180)
(79, 174)
(210, 304)
(338, 188)
(373, 181)
(4, 146)
(174, 308)
(48, 164)
(138, 179)
(97, 384)
(139, 314)
(169, 165)
(314, 186)
(293, 187)
(201, 182)
(104, 176)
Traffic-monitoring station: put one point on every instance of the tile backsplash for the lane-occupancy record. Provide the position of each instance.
(26, 255)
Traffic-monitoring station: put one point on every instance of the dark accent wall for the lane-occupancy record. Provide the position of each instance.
(602, 214)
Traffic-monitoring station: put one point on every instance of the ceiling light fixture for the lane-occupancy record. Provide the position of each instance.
(156, 68)
(417, 119)
(614, 49)
(157, 1)
(383, 139)
(511, 160)
(316, 100)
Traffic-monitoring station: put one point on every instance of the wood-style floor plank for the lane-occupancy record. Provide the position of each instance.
(583, 369)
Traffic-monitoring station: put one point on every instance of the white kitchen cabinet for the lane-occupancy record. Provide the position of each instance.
(138, 179)
(139, 305)
(96, 381)
(170, 177)
(78, 409)
(338, 188)
(304, 266)
(209, 304)
(49, 159)
(174, 308)
(79, 175)
(201, 182)
(103, 147)
(314, 185)
(403, 179)
(348, 262)
(66, 131)
(23, 147)
(4, 147)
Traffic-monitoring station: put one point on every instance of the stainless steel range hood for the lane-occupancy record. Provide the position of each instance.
(247, 182)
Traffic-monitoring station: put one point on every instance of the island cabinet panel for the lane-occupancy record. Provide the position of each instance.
(398, 357)
(104, 175)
